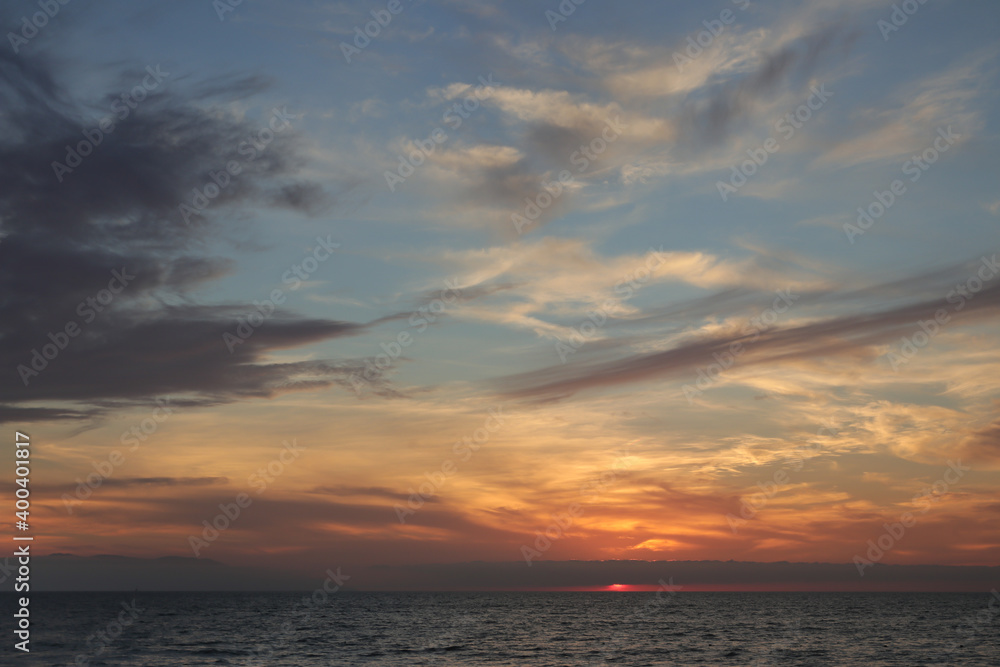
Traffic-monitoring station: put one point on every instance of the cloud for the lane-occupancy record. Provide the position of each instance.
(983, 444)
(9, 414)
(845, 335)
(130, 482)
(381, 492)
(672, 123)
(709, 122)
(943, 99)
(113, 224)
(550, 284)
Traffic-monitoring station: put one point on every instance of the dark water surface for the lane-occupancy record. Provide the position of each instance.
(179, 629)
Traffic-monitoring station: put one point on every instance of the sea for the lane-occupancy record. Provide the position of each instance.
(523, 629)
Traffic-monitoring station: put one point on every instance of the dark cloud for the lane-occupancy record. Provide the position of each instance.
(344, 491)
(25, 415)
(164, 481)
(557, 143)
(324, 519)
(65, 237)
(983, 444)
(126, 483)
(707, 122)
(510, 187)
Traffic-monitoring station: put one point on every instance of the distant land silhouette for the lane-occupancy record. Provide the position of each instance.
(67, 572)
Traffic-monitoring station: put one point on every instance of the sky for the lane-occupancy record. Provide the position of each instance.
(507, 282)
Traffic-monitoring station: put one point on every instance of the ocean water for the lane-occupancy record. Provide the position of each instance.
(523, 629)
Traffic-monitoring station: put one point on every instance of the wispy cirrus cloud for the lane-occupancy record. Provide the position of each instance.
(845, 335)
(947, 98)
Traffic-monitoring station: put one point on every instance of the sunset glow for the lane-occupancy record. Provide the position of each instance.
(492, 290)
